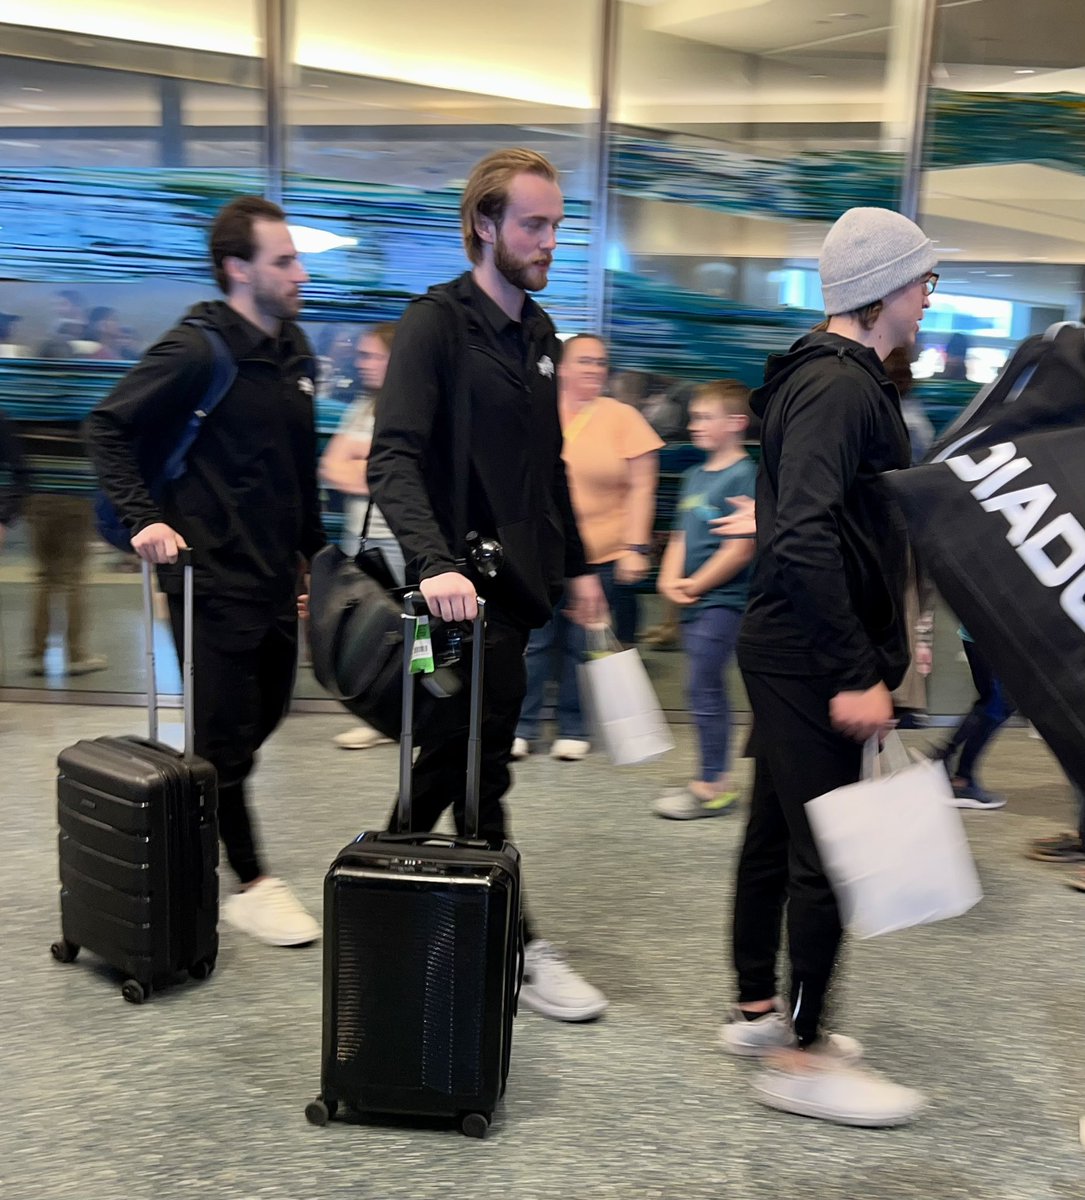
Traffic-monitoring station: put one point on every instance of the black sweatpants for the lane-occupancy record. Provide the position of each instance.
(797, 756)
(244, 661)
(439, 778)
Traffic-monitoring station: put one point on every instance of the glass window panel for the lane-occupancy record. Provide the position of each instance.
(1004, 182)
(113, 156)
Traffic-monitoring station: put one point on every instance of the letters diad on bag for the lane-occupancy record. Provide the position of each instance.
(997, 518)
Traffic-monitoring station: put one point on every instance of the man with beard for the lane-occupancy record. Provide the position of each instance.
(247, 505)
(472, 377)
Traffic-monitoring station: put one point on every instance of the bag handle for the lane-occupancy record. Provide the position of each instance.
(600, 641)
(884, 756)
(185, 559)
(414, 603)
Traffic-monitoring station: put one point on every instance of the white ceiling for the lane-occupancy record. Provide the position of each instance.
(752, 71)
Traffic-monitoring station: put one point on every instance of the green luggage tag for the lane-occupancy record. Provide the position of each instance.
(422, 650)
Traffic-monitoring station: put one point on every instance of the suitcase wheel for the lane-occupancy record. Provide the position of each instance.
(320, 1112)
(64, 951)
(135, 992)
(201, 969)
(475, 1124)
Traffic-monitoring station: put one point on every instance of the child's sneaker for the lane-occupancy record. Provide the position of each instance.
(687, 806)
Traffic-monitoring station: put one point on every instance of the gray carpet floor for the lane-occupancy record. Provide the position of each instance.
(202, 1091)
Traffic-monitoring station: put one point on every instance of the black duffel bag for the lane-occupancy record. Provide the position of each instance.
(356, 621)
(997, 518)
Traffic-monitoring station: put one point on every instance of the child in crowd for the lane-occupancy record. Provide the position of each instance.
(707, 579)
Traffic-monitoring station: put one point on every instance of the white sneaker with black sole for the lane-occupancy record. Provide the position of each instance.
(553, 989)
(270, 912)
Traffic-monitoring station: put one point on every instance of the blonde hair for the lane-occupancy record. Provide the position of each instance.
(487, 190)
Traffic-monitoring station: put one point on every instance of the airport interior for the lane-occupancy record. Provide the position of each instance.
(705, 147)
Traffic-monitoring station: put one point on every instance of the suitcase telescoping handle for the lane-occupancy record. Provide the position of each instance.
(413, 604)
(185, 559)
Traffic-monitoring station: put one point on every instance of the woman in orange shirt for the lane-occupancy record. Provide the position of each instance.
(612, 461)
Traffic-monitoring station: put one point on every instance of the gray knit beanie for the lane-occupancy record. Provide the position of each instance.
(869, 253)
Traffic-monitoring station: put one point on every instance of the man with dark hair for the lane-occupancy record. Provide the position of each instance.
(823, 643)
(482, 344)
(247, 504)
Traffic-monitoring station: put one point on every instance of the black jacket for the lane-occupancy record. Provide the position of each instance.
(247, 503)
(447, 351)
(14, 473)
(827, 592)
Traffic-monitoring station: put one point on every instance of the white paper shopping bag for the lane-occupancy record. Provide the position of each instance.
(618, 695)
(893, 845)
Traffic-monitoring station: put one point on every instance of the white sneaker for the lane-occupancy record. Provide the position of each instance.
(570, 749)
(361, 737)
(773, 1031)
(831, 1091)
(553, 989)
(271, 912)
(521, 749)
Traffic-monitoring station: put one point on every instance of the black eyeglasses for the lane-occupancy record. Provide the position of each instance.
(929, 282)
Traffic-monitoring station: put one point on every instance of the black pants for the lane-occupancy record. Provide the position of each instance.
(797, 756)
(439, 778)
(243, 673)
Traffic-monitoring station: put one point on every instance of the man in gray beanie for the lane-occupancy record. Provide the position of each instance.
(823, 644)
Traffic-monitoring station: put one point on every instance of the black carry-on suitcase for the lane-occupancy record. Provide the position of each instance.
(422, 955)
(139, 843)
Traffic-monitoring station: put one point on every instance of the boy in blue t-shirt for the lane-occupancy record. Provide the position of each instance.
(708, 580)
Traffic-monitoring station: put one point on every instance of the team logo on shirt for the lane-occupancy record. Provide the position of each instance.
(305, 384)
(546, 366)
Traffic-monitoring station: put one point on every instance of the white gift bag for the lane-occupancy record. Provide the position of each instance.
(893, 845)
(621, 703)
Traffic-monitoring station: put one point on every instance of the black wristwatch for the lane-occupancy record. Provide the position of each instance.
(639, 549)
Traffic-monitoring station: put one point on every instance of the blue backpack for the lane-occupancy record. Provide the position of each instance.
(223, 373)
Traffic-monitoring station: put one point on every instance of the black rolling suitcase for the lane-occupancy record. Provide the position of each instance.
(139, 844)
(422, 954)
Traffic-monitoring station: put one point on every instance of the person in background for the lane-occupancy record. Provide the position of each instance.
(61, 528)
(343, 467)
(104, 328)
(708, 583)
(14, 476)
(337, 377)
(910, 697)
(611, 459)
(961, 753)
(823, 642)
(956, 361)
(68, 337)
(9, 347)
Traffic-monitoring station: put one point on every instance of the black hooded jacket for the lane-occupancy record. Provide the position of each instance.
(248, 503)
(827, 592)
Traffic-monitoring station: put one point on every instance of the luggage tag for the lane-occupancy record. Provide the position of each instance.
(422, 649)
